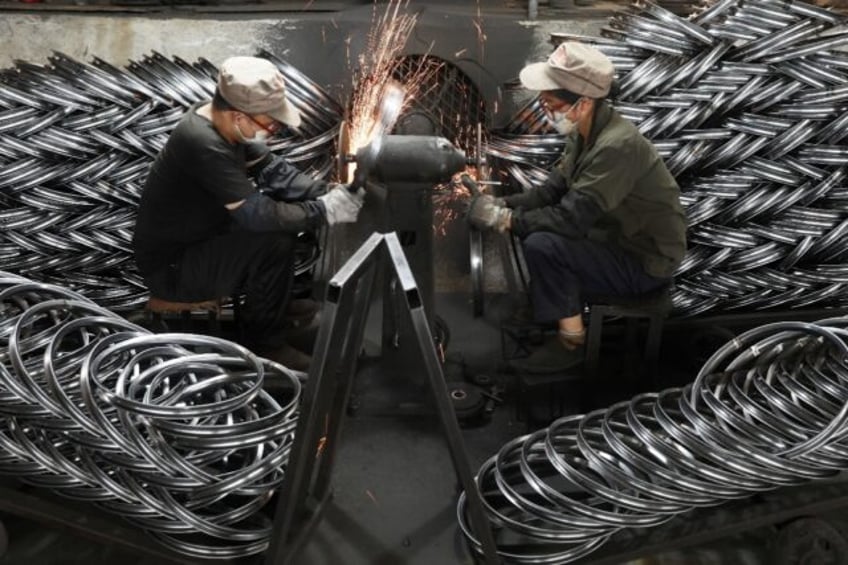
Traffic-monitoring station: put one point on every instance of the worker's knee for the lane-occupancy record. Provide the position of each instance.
(541, 246)
(274, 246)
(545, 248)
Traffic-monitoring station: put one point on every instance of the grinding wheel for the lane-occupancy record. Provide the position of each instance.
(467, 400)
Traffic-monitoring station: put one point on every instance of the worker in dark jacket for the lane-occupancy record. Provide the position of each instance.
(608, 219)
(219, 213)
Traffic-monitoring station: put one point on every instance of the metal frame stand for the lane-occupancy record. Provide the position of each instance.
(307, 485)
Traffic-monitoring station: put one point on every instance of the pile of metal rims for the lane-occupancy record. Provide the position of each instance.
(76, 141)
(747, 103)
(173, 432)
(767, 410)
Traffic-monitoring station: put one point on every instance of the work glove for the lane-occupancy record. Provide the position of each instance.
(488, 213)
(342, 206)
(474, 189)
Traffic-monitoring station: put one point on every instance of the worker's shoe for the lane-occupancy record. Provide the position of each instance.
(553, 356)
(287, 356)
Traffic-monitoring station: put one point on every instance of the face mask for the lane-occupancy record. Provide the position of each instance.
(562, 124)
(259, 137)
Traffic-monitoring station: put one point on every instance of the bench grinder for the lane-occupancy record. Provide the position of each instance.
(402, 174)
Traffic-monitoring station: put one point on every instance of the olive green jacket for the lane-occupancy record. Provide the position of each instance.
(613, 187)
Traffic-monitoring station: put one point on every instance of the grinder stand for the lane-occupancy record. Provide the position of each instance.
(307, 486)
(402, 178)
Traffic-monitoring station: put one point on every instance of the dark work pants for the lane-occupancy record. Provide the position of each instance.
(563, 270)
(259, 265)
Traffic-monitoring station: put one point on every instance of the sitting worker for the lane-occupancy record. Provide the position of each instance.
(205, 229)
(608, 219)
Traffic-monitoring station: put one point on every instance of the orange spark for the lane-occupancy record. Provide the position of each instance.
(378, 65)
(480, 35)
(322, 442)
(387, 39)
(450, 200)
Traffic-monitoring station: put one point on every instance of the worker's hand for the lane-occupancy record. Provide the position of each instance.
(341, 205)
(472, 186)
(486, 213)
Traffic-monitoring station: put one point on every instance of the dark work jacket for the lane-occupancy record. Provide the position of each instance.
(613, 187)
(196, 175)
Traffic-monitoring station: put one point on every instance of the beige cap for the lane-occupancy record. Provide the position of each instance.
(573, 66)
(255, 86)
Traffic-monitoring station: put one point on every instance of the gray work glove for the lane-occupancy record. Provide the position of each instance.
(489, 213)
(472, 187)
(342, 206)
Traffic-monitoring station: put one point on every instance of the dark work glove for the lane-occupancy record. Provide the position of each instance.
(488, 213)
(474, 189)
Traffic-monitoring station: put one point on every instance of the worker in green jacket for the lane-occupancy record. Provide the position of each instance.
(608, 219)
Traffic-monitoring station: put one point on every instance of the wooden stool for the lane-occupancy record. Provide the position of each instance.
(159, 308)
(653, 307)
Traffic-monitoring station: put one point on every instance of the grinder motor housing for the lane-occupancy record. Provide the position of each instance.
(403, 176)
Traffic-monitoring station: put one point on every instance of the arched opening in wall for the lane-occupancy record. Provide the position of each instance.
(446, 102)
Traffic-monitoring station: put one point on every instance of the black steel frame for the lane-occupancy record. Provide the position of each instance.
(307, 485)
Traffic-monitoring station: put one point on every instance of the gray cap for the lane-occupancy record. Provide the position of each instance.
(255, 86)
(573, 66)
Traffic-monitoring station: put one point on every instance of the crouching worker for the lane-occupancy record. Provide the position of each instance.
(608, 219)
(220, 213)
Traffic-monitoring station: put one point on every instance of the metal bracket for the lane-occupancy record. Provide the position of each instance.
(306, 488)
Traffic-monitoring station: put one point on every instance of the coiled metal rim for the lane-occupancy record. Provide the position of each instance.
(173, 432)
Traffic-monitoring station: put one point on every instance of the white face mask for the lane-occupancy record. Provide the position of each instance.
(562, 124)
(259, 137)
